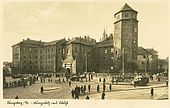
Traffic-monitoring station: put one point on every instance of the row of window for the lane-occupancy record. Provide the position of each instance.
(47, 61)
(126, 15)
(31, 67)
(30, 49)
(76, 50)
(30, 57)
(32, 62)
(48, 50)
(47, 67)
(49, 56)
(16, 56)
(111, 50)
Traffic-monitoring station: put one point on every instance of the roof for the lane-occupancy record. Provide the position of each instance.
(152, 51)
(80, 40)
(29, 41)
(40, 43)
(105, 44)
(126, 7)
(54, 42)
(141, 51)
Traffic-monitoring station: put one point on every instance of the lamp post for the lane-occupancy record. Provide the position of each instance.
(123, 62)
(146, 63)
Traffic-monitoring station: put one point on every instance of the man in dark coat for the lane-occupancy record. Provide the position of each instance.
(152, 91)
(89, 87)
(103, 95)
(42, 89)
(84, 88)
(110, 87)
(98, 88)
(73, 93)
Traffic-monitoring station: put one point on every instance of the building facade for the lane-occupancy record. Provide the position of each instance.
(31, 56)
(115, 53)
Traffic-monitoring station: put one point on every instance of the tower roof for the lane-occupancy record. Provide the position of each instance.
(126, 7)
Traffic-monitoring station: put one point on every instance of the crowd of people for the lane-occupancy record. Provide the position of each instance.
(20, 82)
(78, 90)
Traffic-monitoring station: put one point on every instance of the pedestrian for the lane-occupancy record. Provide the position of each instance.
(73, 93)
(41, 80)
(59, 80)
(104, 87)
(69, 83)
(76, 92)
(42, 89)
(98, 88)
(159, 79)
(99, 79)
(30, 82)
(110, 87)
(79, 89)
(16, 97)
(24, 85)
(92, 76)
(104, 80)
(103, 95)
(89, 87)
(87, 97)
(152, 91)
(84, 88)
(167, 83)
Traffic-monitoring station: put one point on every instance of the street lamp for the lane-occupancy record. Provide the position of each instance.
(123, 61)
(86, 61)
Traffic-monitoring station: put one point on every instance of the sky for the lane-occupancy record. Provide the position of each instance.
(48, 21)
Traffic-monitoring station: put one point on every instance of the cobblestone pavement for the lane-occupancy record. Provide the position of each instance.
(120, 91)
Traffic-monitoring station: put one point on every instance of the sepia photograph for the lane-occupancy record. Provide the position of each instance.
(85, 50)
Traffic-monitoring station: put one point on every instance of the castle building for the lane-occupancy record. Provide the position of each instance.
(79, 55)
(126, 37)
(83, 54)
(31, 56)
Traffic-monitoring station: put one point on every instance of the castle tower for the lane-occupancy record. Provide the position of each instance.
(126, 37)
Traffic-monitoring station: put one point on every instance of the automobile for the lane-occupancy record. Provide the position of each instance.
(140, 80)
(74, 78)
